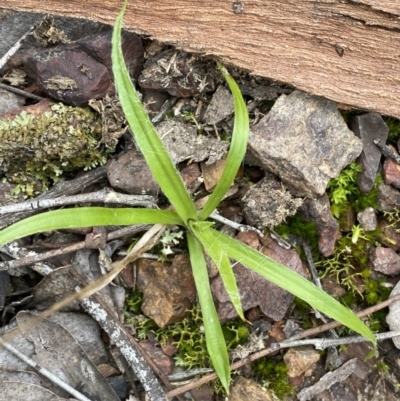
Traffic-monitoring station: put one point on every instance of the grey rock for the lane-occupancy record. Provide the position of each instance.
(220, 107)
(268, 203)
(367, 219)
(388, 198)
(305, 141)
(183, 143)
(368, 127)
(9, 101)
(273, 300)
(177, 73)
(319, 211)
(385, 261)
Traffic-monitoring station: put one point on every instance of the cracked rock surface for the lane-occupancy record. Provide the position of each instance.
(305, 141)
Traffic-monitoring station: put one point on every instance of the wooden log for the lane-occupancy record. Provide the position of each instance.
(347, 51)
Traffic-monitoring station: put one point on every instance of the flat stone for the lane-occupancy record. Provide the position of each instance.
(300, 359)
(168, 289)
(183, 143)
(385, 261)
(305, 141)
(369, 127)
(319, 211)
(131, 174)
(391, 173)
(220, 107)
(68, 74)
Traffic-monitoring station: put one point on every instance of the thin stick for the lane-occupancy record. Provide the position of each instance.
(387, 151)
(20, 92)
(105, 195)
(322, 343)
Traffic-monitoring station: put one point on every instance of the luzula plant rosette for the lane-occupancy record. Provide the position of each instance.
(202, 238)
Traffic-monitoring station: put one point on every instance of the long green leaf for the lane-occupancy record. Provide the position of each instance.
(145, 134)
(237, 148)
(86, 217)
(216, 345)
(221, 260)
(290, 281)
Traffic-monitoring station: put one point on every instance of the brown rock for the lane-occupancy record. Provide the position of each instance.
(162, 361)
(245, 389)
(319, 211)
(332, 287)
(300, 359)
(359, 351)
(385, 261)
(191, 176)
(168, 289)
(212, 173)
(131, 174)
(68, 74)
(369, 127)
(391, 173)
(99, 47)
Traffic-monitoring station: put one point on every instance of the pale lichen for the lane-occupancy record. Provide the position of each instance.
(35, 149)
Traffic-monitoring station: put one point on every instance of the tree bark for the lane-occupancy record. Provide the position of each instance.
(344, 50)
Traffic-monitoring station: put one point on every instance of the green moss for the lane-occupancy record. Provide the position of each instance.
(35, 150)
(274, 376)
(344, 192)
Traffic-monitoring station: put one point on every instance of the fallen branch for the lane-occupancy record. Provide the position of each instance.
(344, 51)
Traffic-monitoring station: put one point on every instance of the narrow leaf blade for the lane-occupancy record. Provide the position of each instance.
(150, 144)
(86, 217)
(216, 346)
(221, 260)
(290, 281)
(237, 148)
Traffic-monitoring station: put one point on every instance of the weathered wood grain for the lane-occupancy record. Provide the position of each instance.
(347, 51)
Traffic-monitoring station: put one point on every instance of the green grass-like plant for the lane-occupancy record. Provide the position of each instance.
(202, 238)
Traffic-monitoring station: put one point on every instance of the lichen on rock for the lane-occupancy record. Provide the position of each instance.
(40, 143)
